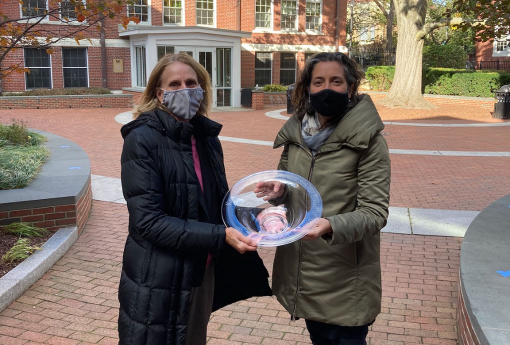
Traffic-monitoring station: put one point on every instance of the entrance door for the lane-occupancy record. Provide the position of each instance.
(207, 58)
(223, 77)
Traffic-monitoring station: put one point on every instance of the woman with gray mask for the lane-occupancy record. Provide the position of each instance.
(332, 278)
(180, 263)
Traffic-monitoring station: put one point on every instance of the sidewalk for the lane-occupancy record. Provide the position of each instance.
(76, 301)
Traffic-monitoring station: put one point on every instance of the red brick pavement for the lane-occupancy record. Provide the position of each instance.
(75, 302)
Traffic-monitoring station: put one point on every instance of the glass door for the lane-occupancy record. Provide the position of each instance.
(223, 77)
(140, 67)
(206, 58)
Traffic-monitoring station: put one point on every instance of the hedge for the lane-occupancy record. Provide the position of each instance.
(445, 56)
(445, 81)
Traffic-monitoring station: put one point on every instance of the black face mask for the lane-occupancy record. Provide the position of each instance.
(329, 103)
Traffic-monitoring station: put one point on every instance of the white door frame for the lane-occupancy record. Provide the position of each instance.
(196, 51)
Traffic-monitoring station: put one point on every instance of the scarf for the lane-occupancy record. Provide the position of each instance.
(313, 136)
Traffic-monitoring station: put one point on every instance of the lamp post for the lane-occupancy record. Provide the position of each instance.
(350, 40)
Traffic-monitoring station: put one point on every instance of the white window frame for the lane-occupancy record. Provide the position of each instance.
(25, 74)
(271, 68)
(271, 19)
(183, 20)
(320, 15)
(149, 10)
(214, 14)
(295, 28)
(501, 53)
(71, 19)
(164, 46)
(22, 15)
(87, 67)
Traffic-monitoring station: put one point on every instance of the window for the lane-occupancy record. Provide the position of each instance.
(163, 50)
(263, 14)
(287, 68)
(140, 67)
(68, 10)
(38, 61)
(313, 15)
(172, 12)
(205, 12)
(308, 56)
(262, 69)
(139, 9)
(501, 45)
(223, 77)
(74, 62)
(30, 8)
(289, 14)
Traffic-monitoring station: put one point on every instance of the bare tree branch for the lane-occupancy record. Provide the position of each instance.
(381, 7)
(429, 27)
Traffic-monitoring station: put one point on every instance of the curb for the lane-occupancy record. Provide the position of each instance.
(19, 279)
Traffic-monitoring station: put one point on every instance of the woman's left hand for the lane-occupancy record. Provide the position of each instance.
(323, 227)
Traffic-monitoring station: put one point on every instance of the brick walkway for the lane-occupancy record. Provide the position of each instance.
(76, 301)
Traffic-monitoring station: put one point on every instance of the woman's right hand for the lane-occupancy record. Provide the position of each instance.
(269, 190)
(239, 242)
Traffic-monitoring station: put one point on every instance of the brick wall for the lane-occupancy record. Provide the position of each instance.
(484, 51)
(247, 69)
(48, 102)
(257, 100)
(466, 333)
(53, 217)
(481, 103)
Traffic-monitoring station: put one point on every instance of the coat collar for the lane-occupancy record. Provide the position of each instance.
(159, 119)
(355, 130)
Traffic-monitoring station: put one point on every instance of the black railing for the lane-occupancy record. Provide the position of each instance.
(367, 57)
(489, 64)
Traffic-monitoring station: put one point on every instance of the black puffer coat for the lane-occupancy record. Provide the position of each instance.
(172, 228)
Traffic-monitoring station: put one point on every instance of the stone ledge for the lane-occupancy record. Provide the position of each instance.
(19, 279)
(484, 302)
(59, 196)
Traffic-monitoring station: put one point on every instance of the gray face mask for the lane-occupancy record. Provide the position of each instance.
(183, 103)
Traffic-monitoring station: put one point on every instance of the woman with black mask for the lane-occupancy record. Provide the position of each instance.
(332, 278)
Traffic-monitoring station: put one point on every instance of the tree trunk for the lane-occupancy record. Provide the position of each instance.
(102, 40)
(389, 27)
(405, 92)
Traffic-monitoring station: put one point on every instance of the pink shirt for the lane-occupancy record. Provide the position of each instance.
(198, 171)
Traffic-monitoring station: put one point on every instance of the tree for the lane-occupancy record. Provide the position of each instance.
(492, 18)
(406, 89)
(28, 30)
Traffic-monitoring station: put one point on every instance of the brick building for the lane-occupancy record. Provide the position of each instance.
(493, 55)
(242, 43)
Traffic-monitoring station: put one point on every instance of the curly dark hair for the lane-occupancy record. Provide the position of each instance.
(300, 95)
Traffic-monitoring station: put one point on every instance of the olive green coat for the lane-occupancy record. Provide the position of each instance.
(337, 279)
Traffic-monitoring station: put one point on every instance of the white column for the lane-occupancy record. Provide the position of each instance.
(236, 73)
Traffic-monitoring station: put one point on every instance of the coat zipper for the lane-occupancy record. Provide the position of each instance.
(293, 316)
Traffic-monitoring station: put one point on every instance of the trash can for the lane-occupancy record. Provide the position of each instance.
(290, 107)
(502, 103)
(246, 97)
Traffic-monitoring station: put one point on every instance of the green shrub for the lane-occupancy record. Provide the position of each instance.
(20, 251)
(444, 56)
(380, 77)
(18, 134)
(275, 88)
(443, 81)
(24, 230)
(59, 92)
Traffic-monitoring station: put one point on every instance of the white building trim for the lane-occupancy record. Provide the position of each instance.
(504, 53)
(94, 42)
(291, 48)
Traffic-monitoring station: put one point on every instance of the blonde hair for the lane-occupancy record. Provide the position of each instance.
(150, 101)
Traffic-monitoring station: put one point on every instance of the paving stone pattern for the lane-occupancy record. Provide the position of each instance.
(76, 301)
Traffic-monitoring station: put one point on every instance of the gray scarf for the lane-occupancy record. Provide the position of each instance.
(313, 136)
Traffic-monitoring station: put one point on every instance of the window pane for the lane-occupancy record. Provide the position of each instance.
(288, 60)
(172, 10)
(263, 60)
(36, 58)
(163, 50)
(139, 9)
(287, 77)
(76, 57)
(313, 14)
(263, 15)
(308, 56)
(38, 78)
(75, 77)
(33, 7)
(262, 77)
